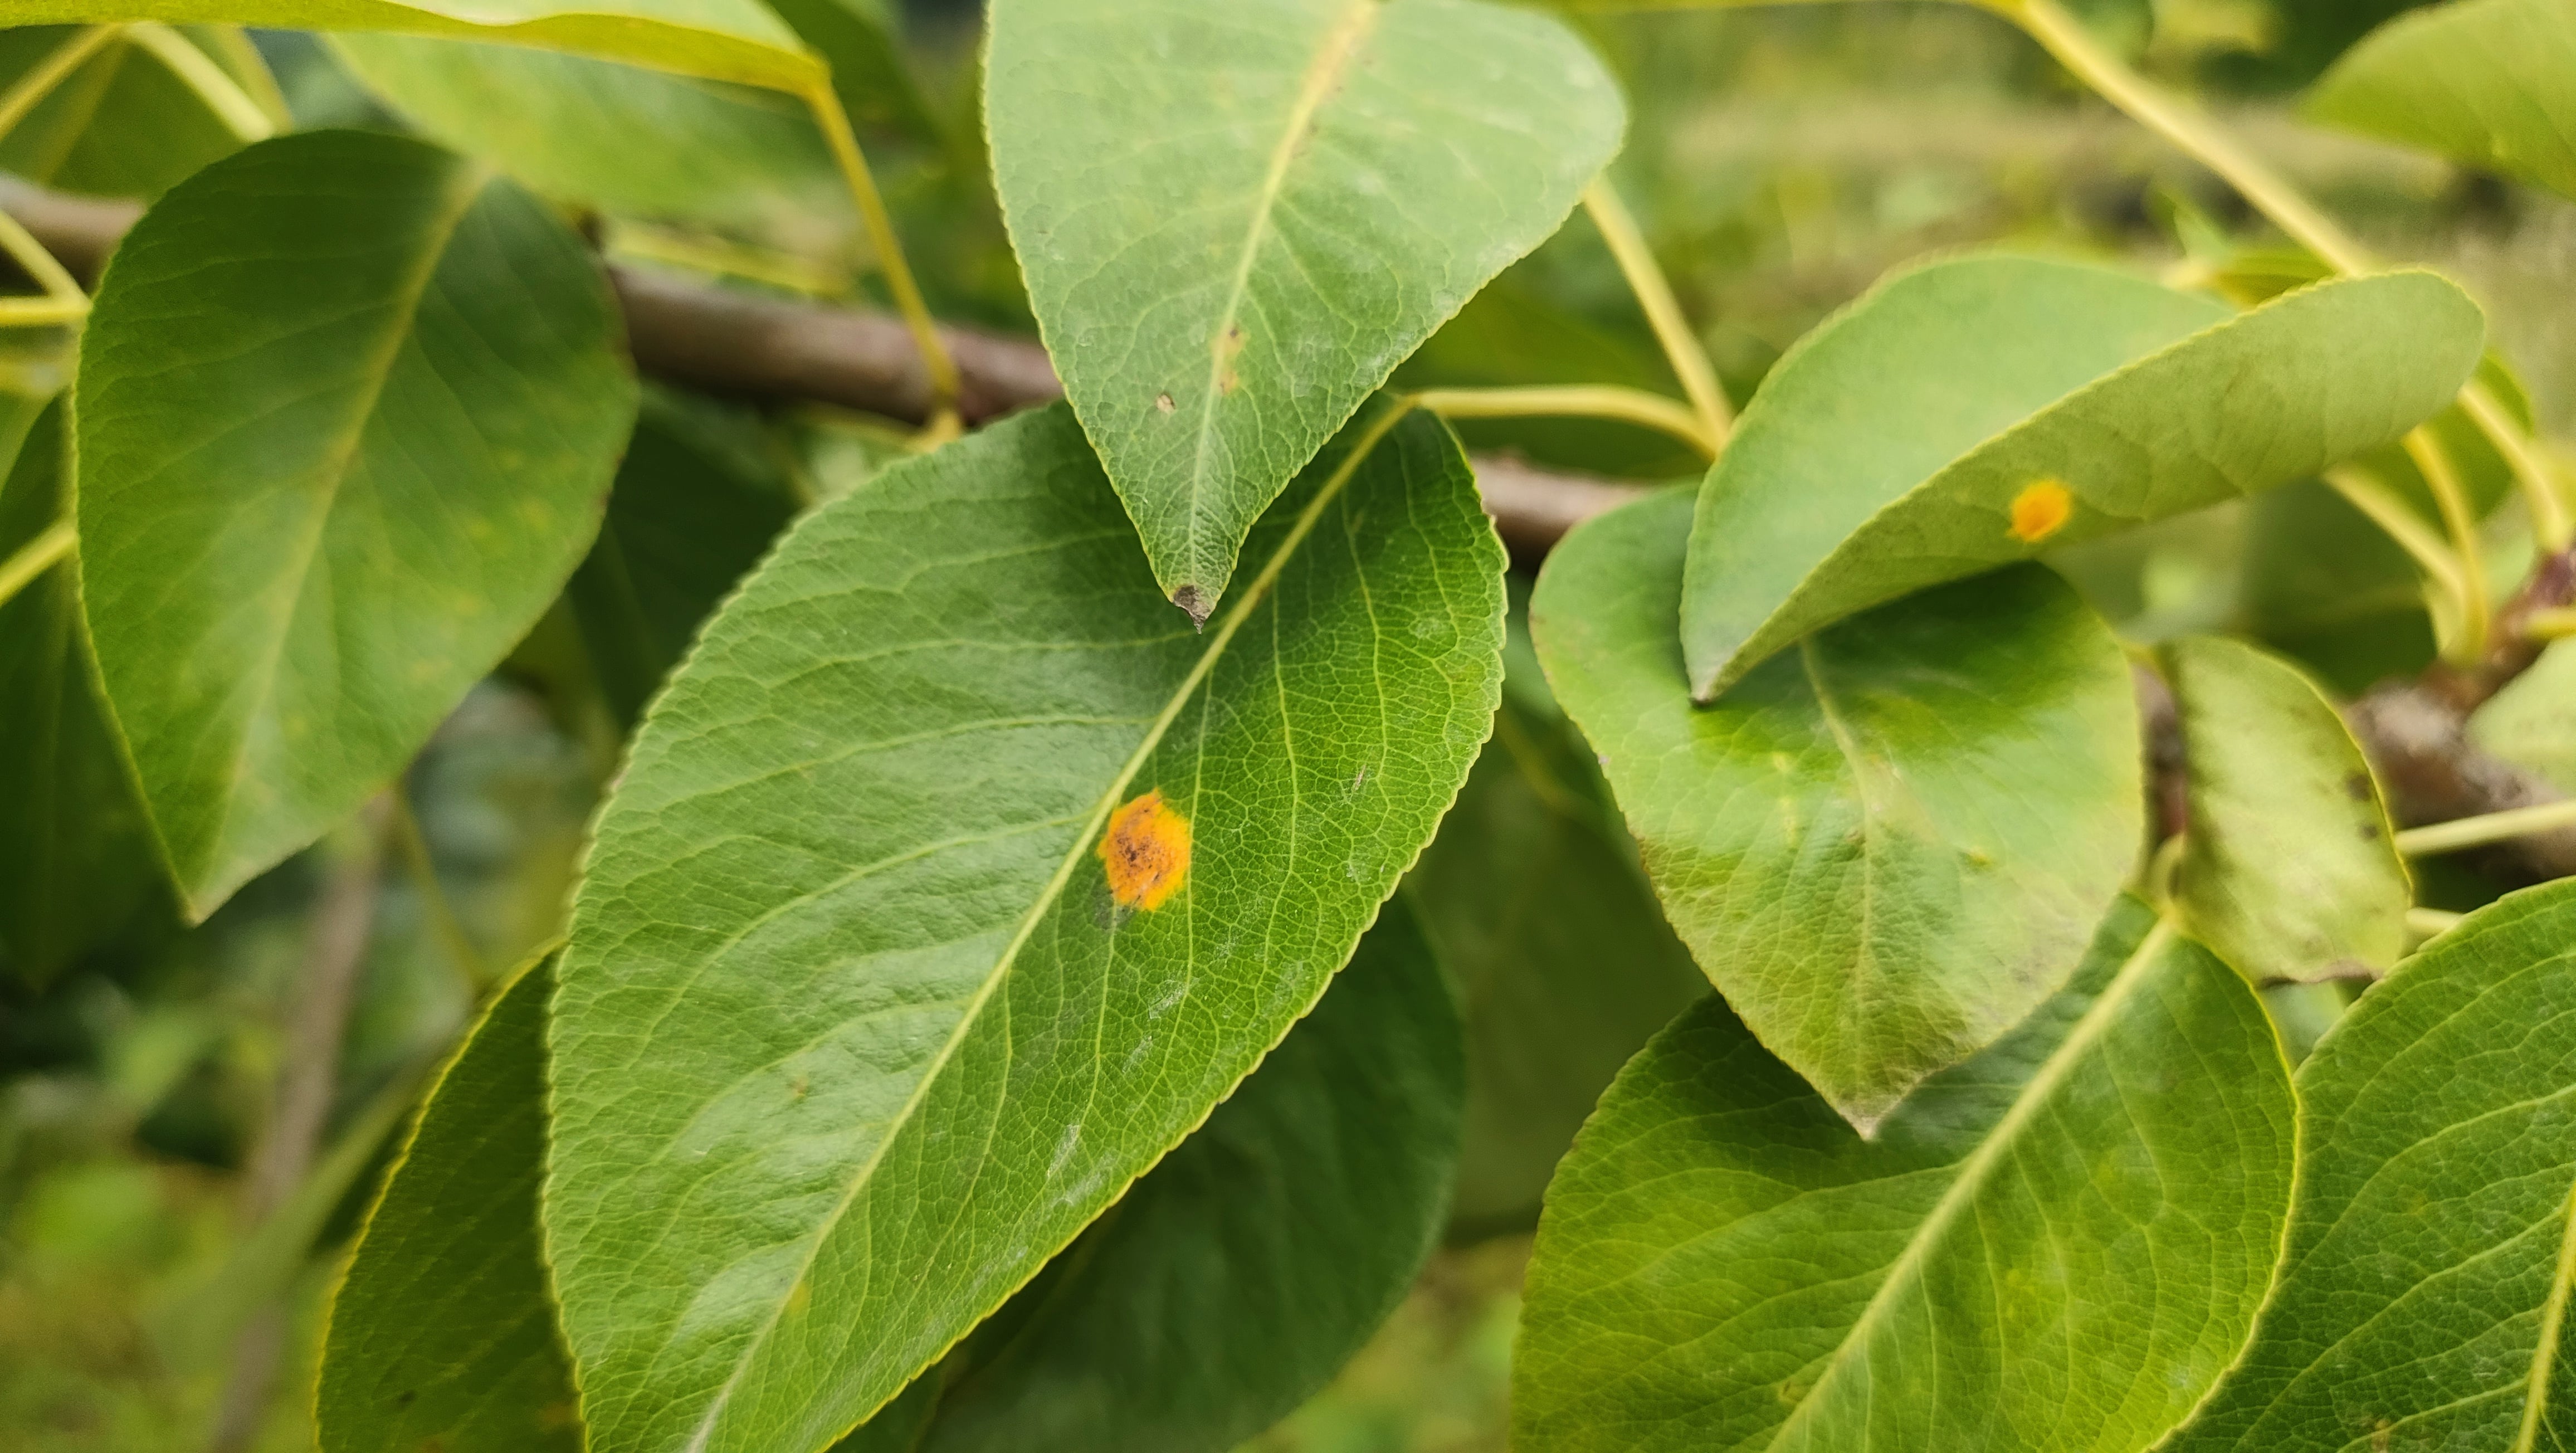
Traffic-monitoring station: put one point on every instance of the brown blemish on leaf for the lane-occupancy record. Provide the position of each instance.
(1227, 383)
(1163, 402)
(1147, 852)
(2041, 510)
(1196, 602)
(2357, 786)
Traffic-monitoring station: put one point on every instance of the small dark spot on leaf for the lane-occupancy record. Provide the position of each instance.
(2370, 832)
(408, 1397)
(2357, 786)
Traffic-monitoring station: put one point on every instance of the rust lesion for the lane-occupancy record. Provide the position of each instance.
(1146, 852)
(2041, 510)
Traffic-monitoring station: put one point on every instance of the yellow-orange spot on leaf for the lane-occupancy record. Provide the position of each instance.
(1147, 852)
(2040, 510)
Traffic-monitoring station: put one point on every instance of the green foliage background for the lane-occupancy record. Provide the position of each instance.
(1781, 160)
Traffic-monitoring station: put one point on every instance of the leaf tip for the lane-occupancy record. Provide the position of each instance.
(1196, 603)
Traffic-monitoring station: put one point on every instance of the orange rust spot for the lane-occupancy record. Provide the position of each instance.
(1147, 852)
(2040, 510)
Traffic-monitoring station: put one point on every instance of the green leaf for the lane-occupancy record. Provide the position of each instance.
(2422, 1296)
(1976, 411)
(2532, 721)
(856, 1030)
(347, 408)
(2491, 83)
(2289, 869)
(611, 137)
(120, 125)
(1885, 847)
(1533, 893)
(77, 868)
(1230, 1283)
(722, 40)
(696, 505)
(442, 1335)
(2057, 1245)
(1236, 220)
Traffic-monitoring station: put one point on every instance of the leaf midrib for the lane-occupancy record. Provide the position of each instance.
(465, 188)
(1246, 603)
(2553, 1313)
(1341, 46)
(1973, 1171)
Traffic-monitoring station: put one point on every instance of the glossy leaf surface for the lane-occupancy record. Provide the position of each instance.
(1534, 895)
(952, 882)
(616, 138)
(2423, 1295)
(723, 40)
(442, 1335)
(348, 409)
(1236, 220)
(2488, 82)
(1233, 1280)
(1981, 410)
(2289, 869)
(77, 866)
(2056, 1245)
(1885, 847)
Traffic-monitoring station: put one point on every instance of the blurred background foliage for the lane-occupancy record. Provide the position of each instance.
(1781, 160)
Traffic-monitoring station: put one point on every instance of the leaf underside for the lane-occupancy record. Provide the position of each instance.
(721, 40)
(1978, 411)
(2491, 83)
(2289, 868)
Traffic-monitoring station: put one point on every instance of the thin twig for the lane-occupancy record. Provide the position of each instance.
(1663, 311)
(1590, 401)
(942, 371)
(2383, 508)
(213, 85)
(30, 90)
(2493, 827)
(2452, 499)
(2203, 140)
(36, 557)
(308, 1080)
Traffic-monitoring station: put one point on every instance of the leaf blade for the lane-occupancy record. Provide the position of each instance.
(1981, 394)
(2429, 1241)
(2290, 868)
(1882, 864)
(1724, 1265)
(415, 1355)
(1221, 298)
(396, 388)
(1231, 1281)
(995, 780)
(722, 40)
(2486, 81)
